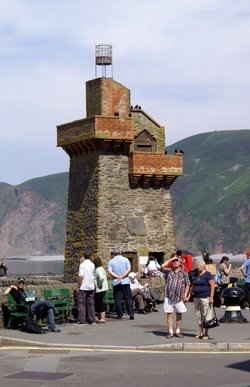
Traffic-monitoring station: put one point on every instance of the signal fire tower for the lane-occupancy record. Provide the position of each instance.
(119, 176)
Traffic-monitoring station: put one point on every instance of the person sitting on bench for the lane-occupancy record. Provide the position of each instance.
(39, 307)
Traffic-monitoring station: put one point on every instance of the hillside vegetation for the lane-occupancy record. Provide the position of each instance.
(210, 202)
(33, 215)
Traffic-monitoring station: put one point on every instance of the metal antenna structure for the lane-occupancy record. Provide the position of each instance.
(103, 59)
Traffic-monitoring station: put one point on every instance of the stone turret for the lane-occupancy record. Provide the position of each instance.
(119, 180)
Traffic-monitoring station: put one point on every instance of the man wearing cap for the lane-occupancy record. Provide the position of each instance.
(245, 269)
(119, 268)
(18, 293)
(176, 294)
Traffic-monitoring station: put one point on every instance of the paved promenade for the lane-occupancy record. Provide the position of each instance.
(146, 332)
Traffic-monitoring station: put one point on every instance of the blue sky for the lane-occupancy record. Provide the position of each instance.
(186, 63)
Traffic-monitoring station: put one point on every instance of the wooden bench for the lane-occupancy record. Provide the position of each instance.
(17, 312)
(61, 299)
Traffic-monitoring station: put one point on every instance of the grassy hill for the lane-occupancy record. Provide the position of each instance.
(211, 204)
(51, 187)
(211, 201)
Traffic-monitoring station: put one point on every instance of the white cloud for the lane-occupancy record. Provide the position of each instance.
(185, 61)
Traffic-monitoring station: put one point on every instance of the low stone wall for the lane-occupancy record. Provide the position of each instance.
(157, 284)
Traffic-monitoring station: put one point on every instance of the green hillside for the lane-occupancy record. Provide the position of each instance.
(211, 206)
(51, 187)
(211, 201)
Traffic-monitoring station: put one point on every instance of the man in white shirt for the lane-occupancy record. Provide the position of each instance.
(140, 293)
(86, 292)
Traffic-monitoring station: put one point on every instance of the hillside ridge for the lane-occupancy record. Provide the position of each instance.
(211, 208)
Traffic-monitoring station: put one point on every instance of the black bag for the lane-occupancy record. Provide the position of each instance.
(30, 326)
(213, 323)
(6, 315)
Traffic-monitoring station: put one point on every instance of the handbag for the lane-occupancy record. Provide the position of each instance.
(214, 322)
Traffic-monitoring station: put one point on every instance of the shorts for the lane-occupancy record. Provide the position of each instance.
(173, 306)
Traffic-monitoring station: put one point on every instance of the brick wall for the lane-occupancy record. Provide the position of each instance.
(104, 96)
(157, 164)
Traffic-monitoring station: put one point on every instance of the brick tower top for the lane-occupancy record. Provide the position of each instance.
(106, 97)
(112, 125)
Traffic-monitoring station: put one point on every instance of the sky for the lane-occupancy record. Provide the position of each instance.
(186, 62)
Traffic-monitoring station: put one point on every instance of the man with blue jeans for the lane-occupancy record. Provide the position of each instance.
(45, 309)
(40, 307)
(119, 268)
(245, 269)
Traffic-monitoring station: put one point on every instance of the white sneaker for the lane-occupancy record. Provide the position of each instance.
(78, 324)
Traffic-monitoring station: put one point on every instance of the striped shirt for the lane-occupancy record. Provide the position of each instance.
(176, 284)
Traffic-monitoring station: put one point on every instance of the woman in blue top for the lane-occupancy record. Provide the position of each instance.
(203, 295)
(245, 269)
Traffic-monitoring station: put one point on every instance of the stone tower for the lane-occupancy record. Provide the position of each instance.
(119, 180)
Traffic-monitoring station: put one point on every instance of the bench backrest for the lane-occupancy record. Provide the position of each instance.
(60, 293)
(16, 308)
(12, 303)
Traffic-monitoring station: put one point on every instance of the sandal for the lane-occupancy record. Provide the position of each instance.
(205, 337)
(169, 336)
(198, 337)
(179, 334)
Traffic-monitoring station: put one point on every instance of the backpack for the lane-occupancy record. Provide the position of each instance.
(30, 326)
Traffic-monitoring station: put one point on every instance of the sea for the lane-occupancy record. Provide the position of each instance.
(35, 265)
(236, 260)
(54, 264)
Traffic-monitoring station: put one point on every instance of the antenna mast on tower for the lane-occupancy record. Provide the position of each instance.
(103, 58)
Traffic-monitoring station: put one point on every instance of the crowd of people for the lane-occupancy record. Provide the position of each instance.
(127, 286)
(201, 287)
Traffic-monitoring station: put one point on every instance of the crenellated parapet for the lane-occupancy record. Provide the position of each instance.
(155, 169)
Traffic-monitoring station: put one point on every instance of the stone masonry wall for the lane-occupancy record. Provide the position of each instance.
(81, 229)
(142, 122)
(136, 220)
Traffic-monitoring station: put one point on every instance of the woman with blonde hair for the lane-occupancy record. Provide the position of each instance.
(202, 290)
